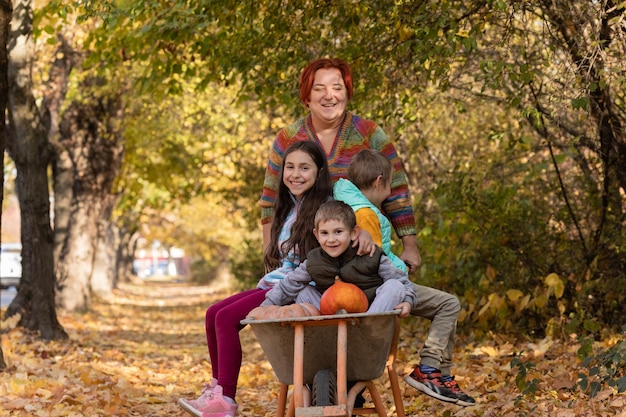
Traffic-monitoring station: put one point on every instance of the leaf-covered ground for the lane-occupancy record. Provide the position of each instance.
(137, 354)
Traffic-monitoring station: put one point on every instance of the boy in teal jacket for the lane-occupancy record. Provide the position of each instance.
(368, 185)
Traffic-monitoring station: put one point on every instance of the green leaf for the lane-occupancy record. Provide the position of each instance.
(581, 103)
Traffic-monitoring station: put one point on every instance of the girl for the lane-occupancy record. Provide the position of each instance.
(305, 185)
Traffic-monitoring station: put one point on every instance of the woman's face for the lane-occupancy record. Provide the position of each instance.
(329, 97)
(299, 173)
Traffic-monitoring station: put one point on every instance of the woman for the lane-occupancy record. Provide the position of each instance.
(326, 89)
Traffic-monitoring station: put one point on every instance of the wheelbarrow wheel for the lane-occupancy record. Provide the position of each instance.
(324, 388)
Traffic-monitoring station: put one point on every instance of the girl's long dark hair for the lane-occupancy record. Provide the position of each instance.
(302, 236)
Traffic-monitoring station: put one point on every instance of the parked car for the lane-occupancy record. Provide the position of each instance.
(10, 265)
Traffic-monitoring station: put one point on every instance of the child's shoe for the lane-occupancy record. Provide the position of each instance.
(438, 386)
(205, 395)
(211, 403)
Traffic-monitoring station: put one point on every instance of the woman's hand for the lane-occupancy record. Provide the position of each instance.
(405, 307)
(365, 243)
(410, 254)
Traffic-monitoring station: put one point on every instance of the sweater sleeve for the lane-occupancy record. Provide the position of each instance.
(286, 290)
(367, 220)
(387, 271)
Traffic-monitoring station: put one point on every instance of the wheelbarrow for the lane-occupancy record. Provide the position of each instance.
(318, 355)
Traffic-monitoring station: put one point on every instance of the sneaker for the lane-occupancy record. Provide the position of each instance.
(443, 388)
(207, 393)
(211, 403)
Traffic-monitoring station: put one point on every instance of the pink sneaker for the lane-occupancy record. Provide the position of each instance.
(211, 403)
(205, 395)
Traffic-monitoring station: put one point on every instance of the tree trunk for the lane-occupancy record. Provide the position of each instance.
(62, 173)
(31, 154)
(126, 253)
(588, 53)
(5, 23)
(104, 275)
(62, 178)
(88, 133)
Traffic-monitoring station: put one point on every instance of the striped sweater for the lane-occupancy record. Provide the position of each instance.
(354, 135)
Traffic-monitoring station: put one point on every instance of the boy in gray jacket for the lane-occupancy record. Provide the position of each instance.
(386, 287)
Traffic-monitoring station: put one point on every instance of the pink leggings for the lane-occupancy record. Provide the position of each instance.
(222, 336)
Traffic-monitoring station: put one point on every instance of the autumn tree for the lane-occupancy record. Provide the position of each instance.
(78, 135)
(89, 137)
(5, 22)
(560, 67)
(555, 143)
(31, 152)
(508, 117)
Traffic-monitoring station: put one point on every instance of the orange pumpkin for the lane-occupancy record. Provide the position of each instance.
(261, 312)
(311, 309)
(343, 296)
(283, 312)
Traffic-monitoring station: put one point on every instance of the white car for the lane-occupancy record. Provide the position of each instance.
(10, 265)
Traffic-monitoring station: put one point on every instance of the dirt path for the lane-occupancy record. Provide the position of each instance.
(136, 355)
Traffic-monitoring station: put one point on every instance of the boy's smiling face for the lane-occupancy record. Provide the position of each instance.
(335, 237)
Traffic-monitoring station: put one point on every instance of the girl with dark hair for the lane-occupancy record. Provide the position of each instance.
(304, 186)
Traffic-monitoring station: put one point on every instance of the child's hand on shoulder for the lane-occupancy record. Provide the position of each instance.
(365, 243)
(405, 307)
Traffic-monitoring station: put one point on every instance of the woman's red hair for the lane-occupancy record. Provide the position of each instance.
(308, 75)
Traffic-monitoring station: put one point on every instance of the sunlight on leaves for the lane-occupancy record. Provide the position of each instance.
(555, 284)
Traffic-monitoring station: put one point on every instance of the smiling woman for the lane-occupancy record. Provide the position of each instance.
(325, 90)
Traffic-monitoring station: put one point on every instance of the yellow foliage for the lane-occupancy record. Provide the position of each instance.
(540, 301)
(490, 273)
(494, 304)
(555, 285)
(18, 384)
(518, 299)
(405, 32)
(514, 295)
(523, 303)
(10, 322)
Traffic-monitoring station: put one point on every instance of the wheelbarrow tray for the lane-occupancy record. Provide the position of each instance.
(369, 337)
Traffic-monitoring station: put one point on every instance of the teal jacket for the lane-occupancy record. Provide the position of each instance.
(349, 193)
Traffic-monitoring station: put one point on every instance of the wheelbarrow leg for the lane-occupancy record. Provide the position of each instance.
(291, 412)
(378, 401)
(395, 390)
(342, 362)
(282, 400)
(352, 394)
(379, 407)
(391, 370)
(298, 365)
